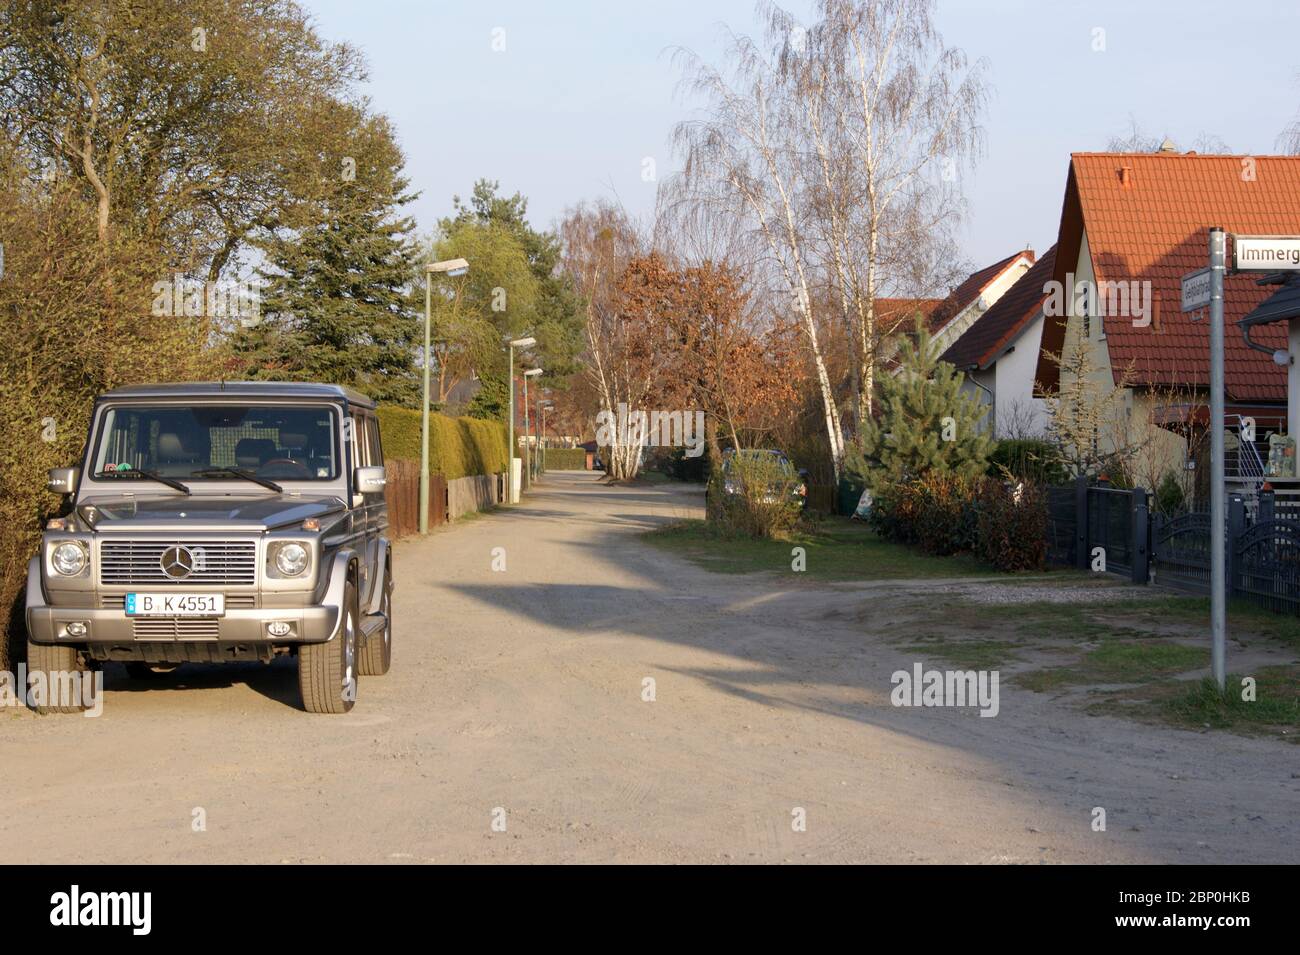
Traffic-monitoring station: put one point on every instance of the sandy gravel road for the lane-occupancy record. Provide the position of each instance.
(518, 695)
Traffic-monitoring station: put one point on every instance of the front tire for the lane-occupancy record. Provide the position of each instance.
(327, 672)
(377, 655)
(50, 660)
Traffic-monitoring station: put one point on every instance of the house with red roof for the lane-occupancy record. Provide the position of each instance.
(948, 318)
(998, 354)
(1132, 224)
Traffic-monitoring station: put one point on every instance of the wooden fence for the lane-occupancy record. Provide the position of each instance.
(402, 495)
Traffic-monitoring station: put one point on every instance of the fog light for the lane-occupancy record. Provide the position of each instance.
(279, 628)
(76, 628)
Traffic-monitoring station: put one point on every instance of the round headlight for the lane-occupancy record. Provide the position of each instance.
(291, 559)
(69, 559)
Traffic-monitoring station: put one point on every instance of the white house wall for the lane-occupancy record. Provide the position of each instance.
(1019, 414)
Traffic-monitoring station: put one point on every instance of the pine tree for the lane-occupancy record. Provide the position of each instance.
(556, 320)
(927, 425)
(337, 306)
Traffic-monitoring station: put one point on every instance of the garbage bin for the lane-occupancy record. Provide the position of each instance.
(850, 492)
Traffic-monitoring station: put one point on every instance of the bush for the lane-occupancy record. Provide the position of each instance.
(763, 506)
(458, 447)
(1011, 525)
(945, 515)
(1002, 524)
(1169, 496)
(893, 513)
(565, 459)
(78, 321)
(681, 468)
(1027, 459)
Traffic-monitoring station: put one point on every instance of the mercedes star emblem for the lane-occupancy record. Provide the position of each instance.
(177, 562)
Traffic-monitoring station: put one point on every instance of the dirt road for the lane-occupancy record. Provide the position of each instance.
(518, 696)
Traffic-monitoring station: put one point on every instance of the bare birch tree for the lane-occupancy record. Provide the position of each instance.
(599, 242)
(745, 159)
(840, 144)
(891, 115)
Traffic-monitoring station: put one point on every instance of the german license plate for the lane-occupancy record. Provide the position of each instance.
(175, 605)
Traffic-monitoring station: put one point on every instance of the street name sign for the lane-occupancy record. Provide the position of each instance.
(1196, 290)
(1266, 253)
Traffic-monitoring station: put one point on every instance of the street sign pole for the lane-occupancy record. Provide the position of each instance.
(1218, 595)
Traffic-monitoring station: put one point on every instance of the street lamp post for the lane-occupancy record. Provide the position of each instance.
(542, 408)
(451, 268)
(530, 457)
(510, 458)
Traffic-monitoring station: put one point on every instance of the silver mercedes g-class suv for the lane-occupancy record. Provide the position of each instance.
(220, 522)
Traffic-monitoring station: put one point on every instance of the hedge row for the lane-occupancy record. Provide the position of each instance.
(458, 447)
(1002, 524)
(566, 459)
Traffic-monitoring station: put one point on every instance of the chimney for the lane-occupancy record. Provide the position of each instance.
(1125, 176)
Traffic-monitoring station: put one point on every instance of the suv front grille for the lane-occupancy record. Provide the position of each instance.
(171, 628)
(139, 562)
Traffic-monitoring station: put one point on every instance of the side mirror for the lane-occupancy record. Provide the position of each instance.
(63, 480)
(369, 480)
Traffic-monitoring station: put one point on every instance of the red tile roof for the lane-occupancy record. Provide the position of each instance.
(996, 328)
(899, 313)
(1151, 224)
(970, 289)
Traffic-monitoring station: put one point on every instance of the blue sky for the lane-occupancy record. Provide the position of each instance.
(584, 91)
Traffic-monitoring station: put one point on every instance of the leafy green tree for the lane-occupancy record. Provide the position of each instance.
(475, 312)
(492, 400)
(927, 425)
(557, 319)
(337, 306)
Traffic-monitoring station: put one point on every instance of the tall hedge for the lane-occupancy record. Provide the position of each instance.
(566, 459)
(458, 447)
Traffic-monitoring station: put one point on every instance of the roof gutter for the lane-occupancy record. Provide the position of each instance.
(1245, 334)
(969, 369)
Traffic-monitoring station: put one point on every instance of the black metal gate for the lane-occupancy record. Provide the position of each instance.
(1264, 565)
(1180, 551)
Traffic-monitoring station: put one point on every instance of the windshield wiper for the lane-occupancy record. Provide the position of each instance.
(141, 472)
(240, 472)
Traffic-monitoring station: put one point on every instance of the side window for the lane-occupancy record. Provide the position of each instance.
(375, 448)
(357, 441)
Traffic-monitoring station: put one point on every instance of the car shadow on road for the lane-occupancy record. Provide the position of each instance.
(276, 681)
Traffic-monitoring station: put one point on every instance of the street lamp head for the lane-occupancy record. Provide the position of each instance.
(450, 267)
(523, 342)
(532, 372)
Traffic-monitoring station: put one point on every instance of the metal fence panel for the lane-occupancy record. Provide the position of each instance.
(1180, 548)
(1062, 525)
(1266, 565)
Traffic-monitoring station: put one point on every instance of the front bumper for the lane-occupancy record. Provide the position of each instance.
(309, 625)
(317, 623)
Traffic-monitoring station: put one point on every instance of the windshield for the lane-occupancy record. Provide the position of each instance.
(284, 442)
